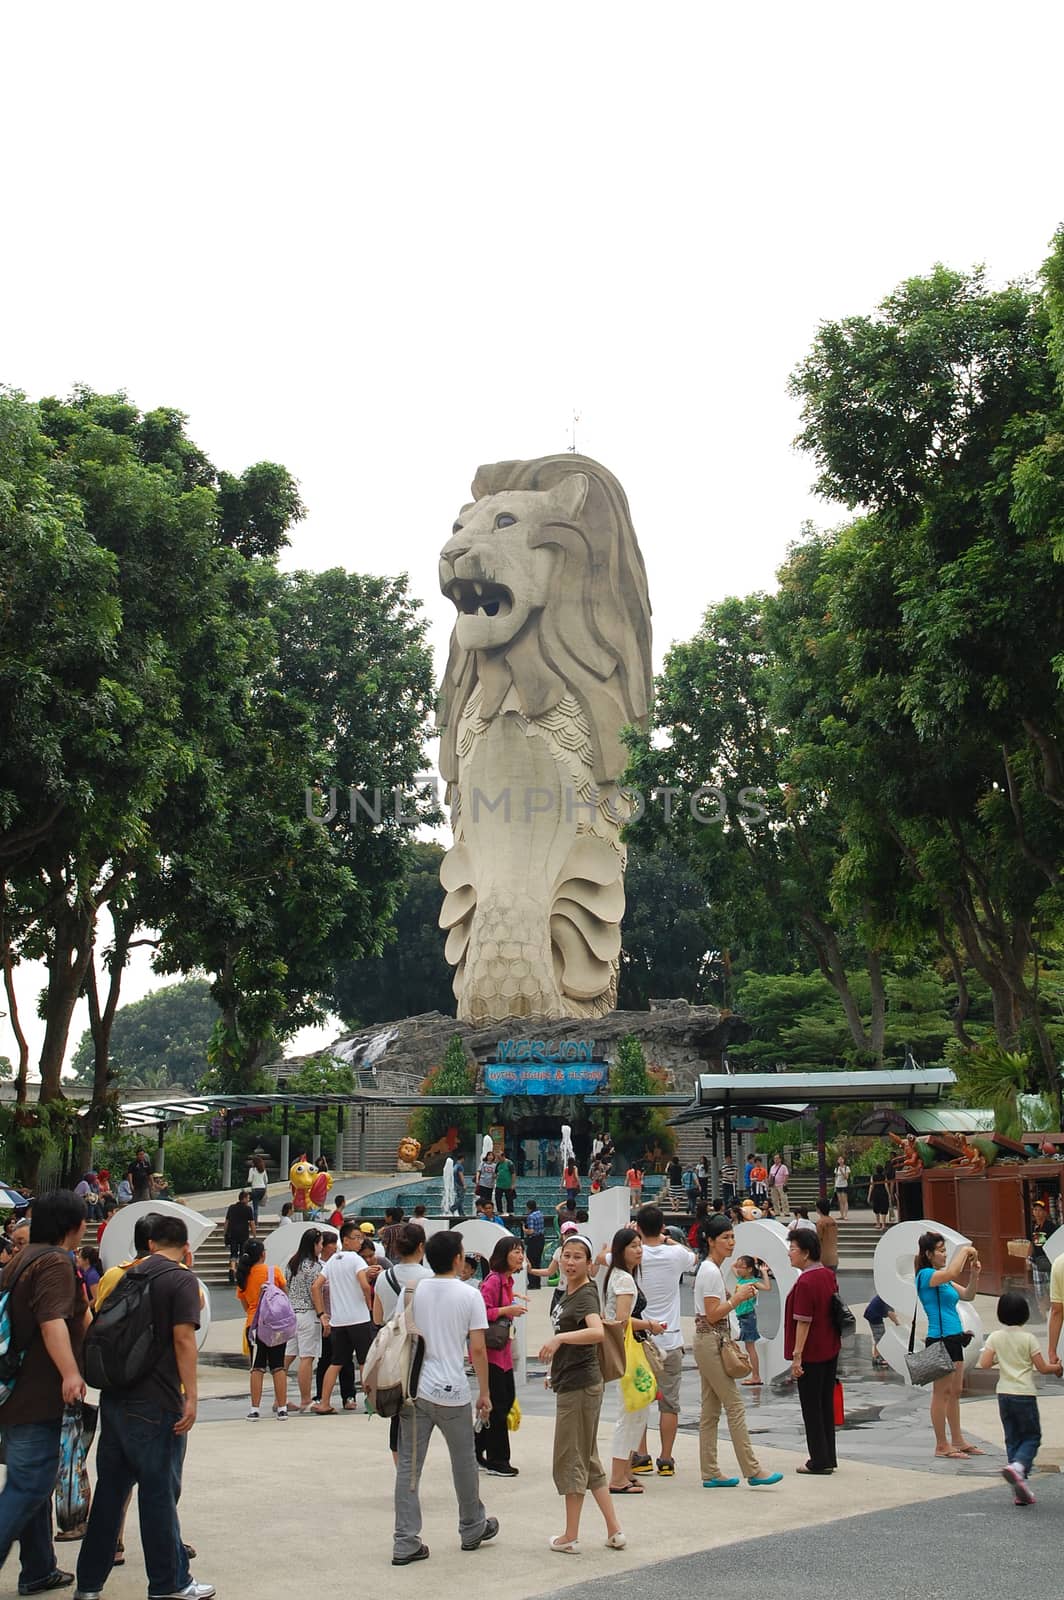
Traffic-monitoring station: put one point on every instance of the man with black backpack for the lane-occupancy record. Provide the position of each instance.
(141, 1352)
(46, 1311)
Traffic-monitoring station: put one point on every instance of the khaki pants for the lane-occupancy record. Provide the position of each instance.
(577, 1467)
(780, 1203)
(719, 1391)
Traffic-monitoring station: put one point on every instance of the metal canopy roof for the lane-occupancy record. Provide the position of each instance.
(780, 1096)
(171, 1108)
(915, 1086)
(948, 1119)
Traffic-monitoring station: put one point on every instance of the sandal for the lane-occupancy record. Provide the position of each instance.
(752, 1383)
(950, 1455)
(629, 1488)
(120, 1555)
(969, 1450)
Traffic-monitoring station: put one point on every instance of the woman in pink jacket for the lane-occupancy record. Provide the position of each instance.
(493, 1444)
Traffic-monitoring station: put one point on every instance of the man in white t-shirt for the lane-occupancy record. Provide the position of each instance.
(449, 1314)
(348, 1321)
(663, 1265)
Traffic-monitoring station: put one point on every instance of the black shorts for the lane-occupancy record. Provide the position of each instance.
(267, 1357)
(954, 1343)
(351, 1343)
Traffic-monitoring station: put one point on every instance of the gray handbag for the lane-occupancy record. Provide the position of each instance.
(933, 1361)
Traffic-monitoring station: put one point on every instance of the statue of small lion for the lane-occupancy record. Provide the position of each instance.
(549, 661)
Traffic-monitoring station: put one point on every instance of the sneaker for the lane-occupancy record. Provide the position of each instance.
(282, 1413)
(191, 1591)
(491, 1528)
(1014, 1474)
(666, 1467)
(420, 1554)
(501, 1469)
(253, 1414)
(641, 1464)
(54, 1580)
(88, 1594)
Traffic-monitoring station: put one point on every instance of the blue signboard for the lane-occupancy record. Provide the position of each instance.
(545, 1078)
(545, 1050)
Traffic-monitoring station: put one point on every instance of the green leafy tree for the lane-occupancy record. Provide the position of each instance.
(456, 1075)
(636, 1128)
(763, 850)
(322, 1075)
(411, 975)
(147, 546)
(942, 610)
(264, 896)
(159, 1040)
(995, 1078)
(667, 935)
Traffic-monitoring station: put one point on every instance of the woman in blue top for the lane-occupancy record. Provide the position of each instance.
(939, 1290)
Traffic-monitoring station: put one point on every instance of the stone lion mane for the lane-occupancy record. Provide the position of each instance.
(592, 638)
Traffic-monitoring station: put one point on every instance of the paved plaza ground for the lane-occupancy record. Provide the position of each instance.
(275, 1508)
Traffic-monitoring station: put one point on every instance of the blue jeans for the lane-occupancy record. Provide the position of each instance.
(137, 1448)
(1023, 1429)
(32, 1450)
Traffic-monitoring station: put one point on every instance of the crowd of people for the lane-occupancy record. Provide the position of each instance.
(143, 1422)
(322, 1309)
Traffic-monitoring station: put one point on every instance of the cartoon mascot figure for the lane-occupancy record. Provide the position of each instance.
(407, 1158)
(319, 1191)
(301, 1176)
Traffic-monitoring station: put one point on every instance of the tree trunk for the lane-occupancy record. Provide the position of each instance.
(878, 1029)
(22, 1073)
(829, 958)
(101, 1023)
(70, 958)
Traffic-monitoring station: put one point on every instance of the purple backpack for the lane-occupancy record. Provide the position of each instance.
(275, 1321)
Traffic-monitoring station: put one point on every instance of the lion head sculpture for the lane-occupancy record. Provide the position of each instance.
(551, 593)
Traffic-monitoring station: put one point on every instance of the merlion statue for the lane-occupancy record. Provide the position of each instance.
(549, 661)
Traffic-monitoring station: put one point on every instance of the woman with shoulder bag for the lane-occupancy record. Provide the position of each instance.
(939, 1292)
(625, 1303)
(493, 1443)
(715, 1332)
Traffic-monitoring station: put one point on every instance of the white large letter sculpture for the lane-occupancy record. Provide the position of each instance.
(895, 1281)
(767, 1241)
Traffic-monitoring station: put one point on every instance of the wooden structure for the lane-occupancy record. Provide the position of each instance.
(990, 1207)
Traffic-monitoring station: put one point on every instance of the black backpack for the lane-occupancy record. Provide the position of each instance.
(121, 1346)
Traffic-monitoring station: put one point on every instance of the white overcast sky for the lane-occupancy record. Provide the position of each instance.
(384, 244)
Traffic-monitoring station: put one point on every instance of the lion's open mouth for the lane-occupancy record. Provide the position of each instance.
(474, 598)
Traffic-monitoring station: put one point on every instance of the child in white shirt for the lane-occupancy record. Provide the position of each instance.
(1018, 1358)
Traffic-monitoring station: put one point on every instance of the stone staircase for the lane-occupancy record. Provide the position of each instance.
(212, 1257)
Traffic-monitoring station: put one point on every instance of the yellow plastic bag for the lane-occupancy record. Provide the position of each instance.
(513, 1417)
(638, 1383)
